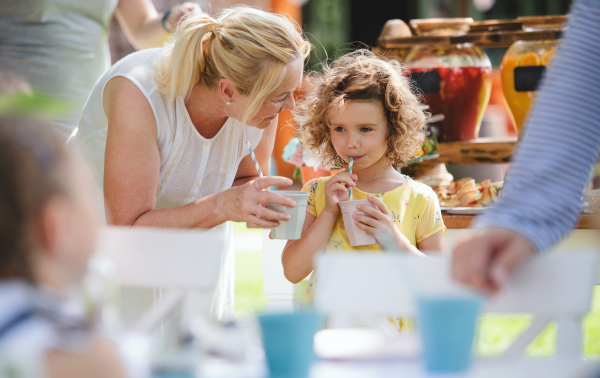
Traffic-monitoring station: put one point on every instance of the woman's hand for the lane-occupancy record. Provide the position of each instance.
(336, 190)
(243, 203)
(379, 223)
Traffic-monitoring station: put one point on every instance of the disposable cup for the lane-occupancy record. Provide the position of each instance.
(288, 340)
(291, 229)
(447, 327)
(356, 236)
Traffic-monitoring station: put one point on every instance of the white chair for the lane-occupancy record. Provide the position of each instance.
(181, 261)
(551, 287)
(278, 290)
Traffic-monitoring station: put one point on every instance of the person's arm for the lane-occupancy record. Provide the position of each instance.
(132, 166)
(540, 201)
(298, 255)
(143, 25)
(99, 360)
(434, 243)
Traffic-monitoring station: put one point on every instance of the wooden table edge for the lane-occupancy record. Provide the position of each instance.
(586, 222)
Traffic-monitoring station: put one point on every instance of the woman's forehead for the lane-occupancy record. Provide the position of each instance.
(293, 78)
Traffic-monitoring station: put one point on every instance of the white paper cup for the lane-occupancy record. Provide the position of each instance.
(356, 236)
(292, 229)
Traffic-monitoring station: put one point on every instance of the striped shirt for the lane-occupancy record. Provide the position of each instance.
(552, 163)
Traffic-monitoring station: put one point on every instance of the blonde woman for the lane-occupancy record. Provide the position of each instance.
(164, 130)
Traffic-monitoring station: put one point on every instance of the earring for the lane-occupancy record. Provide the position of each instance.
(228, 102)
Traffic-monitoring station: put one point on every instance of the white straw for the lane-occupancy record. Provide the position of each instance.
(254, 158)
(350, 171)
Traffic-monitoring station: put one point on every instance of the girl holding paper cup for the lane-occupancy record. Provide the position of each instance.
(362, 108)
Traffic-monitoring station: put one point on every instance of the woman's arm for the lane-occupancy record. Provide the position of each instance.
(143, 25)
(132, 167)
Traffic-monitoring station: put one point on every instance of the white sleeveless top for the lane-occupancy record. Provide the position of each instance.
(191, 166)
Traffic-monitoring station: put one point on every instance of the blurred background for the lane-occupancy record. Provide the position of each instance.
(332, 24)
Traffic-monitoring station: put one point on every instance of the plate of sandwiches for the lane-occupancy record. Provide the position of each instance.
(466, 197)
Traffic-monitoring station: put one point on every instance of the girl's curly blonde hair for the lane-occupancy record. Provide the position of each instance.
(361, 76)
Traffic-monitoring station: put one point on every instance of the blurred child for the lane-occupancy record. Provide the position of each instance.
(362, 107)
(47, 235)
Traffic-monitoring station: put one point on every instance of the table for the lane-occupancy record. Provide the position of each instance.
(488, 368)
(586, 221)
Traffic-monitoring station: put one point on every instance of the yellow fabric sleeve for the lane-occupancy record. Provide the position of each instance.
(430, 219)
(311, 189)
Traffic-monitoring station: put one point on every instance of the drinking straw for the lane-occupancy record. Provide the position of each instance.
(350, 171)
(254, 158)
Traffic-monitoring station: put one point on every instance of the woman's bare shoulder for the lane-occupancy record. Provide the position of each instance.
(126, 106)
(122, 91)
(100, 359)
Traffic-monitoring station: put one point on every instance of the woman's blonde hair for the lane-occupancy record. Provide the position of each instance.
(361, 76)
(247, 46)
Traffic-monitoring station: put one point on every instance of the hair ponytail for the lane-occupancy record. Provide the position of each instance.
(247, 46)
(184, 62)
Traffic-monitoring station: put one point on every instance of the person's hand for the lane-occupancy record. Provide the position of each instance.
(336, 190)
(243, 203)
(181, 11)
(379, 223)
(252, 225)
(487, 259)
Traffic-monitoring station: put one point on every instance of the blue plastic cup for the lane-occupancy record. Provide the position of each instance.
(447, 327)
(288, 341)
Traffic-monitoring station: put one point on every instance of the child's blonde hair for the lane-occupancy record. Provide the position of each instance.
(247, 46)
(361, 76)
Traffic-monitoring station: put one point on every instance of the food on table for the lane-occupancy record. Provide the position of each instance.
(466, 193)
(430, 144)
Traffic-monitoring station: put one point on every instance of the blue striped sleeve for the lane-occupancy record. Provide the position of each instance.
(552, 163)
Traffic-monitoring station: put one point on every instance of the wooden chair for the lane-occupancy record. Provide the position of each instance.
(551, 287)
(180, 261)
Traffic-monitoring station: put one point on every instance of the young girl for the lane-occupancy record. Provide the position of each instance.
(47, 234)
(363, 108)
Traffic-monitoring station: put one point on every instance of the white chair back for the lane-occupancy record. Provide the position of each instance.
(277, 289)
(555, 287)
(181, 261)
(174, 258)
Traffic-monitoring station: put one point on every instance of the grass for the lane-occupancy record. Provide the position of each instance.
(495, 332)
(249, 296)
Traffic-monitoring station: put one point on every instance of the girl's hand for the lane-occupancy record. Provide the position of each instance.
(336, 190)
(381, 225)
